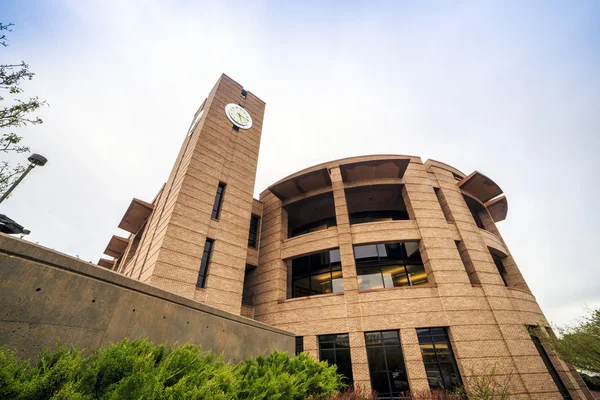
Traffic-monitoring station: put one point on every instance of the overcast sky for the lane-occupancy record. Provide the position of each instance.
(511, 89)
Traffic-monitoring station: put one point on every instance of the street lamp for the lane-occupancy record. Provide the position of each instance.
(35, 160)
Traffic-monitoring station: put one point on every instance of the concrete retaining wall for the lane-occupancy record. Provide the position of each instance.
(47, 298)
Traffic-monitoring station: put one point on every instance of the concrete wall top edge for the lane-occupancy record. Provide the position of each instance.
(24, 249)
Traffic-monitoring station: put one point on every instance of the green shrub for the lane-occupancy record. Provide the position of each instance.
(140, 370)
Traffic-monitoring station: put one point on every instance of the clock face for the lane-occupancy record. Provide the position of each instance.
(238, 116)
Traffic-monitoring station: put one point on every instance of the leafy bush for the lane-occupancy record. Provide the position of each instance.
(138, 369)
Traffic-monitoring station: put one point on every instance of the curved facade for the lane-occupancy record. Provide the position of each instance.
(462, 277)
(389, 267)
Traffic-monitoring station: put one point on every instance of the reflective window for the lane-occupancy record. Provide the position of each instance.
(386, 364)
(299, 344)
(318, 273)
(204, 263)
(335, 349)
(438, 357)
(253, 235)
(218, 201)
(389, 265)
(501, 270)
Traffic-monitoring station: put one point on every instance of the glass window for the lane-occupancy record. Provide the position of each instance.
(500, 266)
(549, 366)
(438, 357)
(299, 344)
(389, 265)
(218, 201)
(386, 364)
(204, 263)
(318, 273)
(253, 235)
(335, 349)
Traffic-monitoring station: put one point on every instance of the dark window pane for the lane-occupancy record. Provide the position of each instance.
(299, 344)
(380, 383)
(204, 263)
(417, 274)
(218, 201)
(440, 365)
(344, 364)
(301, 287)
(376, 358)
(335, 349)
(386, 363)
(253, 234)
(311, 275)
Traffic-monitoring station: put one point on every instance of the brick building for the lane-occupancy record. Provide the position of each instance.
(388, 266)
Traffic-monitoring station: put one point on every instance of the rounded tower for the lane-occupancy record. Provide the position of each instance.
(394, 270)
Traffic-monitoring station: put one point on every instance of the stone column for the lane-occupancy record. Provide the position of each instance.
(360, 367)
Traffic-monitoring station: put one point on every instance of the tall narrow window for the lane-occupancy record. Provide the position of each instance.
(386, 364)
(253, 235)
(500, 266)
(218, 201)
(318, 273)
(335, 349)
(549, 366)
(438, 357)
(204, 263)
(389, 265)
(299, 344)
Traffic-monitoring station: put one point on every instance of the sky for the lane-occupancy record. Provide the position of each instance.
(507, 88)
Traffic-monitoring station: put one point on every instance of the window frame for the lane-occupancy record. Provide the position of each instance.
(204, 263)
(253, 243)
(501, 268)
(317, 271)
(560, 385)
(321, 340)
(437, 357)
(216, 211)
(383, 345)
(299, 345)
(381, 263)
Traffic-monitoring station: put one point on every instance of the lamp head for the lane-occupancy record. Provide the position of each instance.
(37, 159)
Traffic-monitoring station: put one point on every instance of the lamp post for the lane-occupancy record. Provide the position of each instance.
(34, 159)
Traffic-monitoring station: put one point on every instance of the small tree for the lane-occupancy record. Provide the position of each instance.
(580, 345)
(14, 115)
(487, 385)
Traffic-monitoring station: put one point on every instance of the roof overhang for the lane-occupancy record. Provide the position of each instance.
(480, 186)
(136, 215)
(116, 247)
(300, 184)
(109, 264)
(498, 208)
(374, 169)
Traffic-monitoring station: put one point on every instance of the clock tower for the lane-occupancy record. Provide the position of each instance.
(194, 238)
